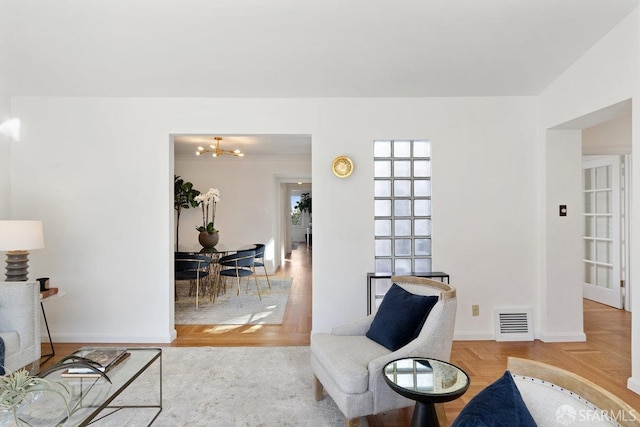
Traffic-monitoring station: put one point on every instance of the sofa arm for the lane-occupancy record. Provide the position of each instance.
(20, 313)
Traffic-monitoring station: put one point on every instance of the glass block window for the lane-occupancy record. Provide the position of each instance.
(402, 205)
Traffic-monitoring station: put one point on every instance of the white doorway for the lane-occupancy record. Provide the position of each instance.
(300, 220)
(605, 248)
(290, 188)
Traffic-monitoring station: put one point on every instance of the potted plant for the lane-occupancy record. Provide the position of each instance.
(209, 236)
(183, 198)
(16, 387)
(304, 204)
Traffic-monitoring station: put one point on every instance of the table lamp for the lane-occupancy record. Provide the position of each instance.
(17, 238)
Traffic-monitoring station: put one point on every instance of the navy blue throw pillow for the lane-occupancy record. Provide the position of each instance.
(400, 317)
(499, 404)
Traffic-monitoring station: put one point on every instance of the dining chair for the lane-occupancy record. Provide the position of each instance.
(192, 283)
(193, 268)
(238, 265)
(259, 261)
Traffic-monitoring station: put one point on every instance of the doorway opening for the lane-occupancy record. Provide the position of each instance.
(250, 210)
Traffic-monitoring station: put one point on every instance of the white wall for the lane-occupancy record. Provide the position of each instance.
(5, 152)
(102, 173)
(611, 137)
(604, 76)
(249, 203)
(561, 313)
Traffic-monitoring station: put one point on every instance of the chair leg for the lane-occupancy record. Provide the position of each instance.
(318, 389)
(265, 273)
(197, 290)
(255, 278)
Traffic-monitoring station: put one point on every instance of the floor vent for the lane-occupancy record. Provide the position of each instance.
(513, 325)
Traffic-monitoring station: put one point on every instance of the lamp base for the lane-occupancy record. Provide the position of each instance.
(17, 266)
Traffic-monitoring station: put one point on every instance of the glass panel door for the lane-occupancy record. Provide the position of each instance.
(601, 210)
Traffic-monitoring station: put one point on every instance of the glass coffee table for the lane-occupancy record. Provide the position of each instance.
(134, 395)
(427, 381)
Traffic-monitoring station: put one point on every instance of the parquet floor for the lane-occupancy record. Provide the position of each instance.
(605, 358)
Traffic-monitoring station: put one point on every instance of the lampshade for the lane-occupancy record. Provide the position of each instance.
(17, 238)
(21, 235)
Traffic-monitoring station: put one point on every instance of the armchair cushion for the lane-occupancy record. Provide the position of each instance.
(497, 405)
(346, 359)
(400, 317)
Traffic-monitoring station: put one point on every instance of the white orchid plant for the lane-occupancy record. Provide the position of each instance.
(208, 202)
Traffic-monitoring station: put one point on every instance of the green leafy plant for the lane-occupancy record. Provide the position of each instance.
(305, 203)
(16, 386)
(183, 198)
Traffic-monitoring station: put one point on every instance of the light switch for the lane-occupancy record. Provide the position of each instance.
(563, 210)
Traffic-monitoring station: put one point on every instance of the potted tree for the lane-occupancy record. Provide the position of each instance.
(183, 198)
(304, 205)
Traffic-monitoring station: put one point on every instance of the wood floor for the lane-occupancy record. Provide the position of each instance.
(605, 358)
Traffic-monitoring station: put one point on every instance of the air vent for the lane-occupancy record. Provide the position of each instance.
(513, 325)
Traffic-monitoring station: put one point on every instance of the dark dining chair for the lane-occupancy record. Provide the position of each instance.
(259, 261)
(194, 268)
(238, 265)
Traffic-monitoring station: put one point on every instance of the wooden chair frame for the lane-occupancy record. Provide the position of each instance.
(590, 391)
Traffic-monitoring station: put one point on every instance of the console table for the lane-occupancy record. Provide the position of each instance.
(371, 277)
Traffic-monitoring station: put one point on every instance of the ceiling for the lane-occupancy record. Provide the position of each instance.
(254, 146)
(295, 48)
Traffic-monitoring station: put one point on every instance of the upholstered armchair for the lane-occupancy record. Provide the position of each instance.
(20, 324)
(348, 364)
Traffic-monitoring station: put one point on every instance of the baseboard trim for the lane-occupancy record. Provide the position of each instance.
(474, 336)
(82, 338)
(633, 384)
(562, 337)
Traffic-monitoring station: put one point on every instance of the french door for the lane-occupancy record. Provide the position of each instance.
(602, 210)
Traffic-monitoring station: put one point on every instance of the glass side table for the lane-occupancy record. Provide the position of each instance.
(427, 381)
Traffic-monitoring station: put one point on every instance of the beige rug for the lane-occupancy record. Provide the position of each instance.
(230, 387)
(231, 309)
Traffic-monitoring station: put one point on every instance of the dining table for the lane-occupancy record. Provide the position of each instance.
(215, 253)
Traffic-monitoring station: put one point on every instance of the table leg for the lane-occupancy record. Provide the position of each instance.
(424, 415)
(53, 352)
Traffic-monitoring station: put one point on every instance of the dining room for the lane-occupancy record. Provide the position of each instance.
(252, 204)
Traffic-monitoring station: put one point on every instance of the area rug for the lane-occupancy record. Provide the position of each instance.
(233, 387)
(233, 309)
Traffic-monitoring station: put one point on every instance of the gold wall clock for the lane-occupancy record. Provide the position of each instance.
(342, 166)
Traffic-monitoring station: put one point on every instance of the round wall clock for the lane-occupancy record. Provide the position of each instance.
(342, 166)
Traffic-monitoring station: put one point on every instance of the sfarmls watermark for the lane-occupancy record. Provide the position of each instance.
(567, 415)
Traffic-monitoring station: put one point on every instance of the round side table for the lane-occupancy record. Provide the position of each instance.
(427, 381)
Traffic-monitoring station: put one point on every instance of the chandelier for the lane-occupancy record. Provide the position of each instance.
(216, 151)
